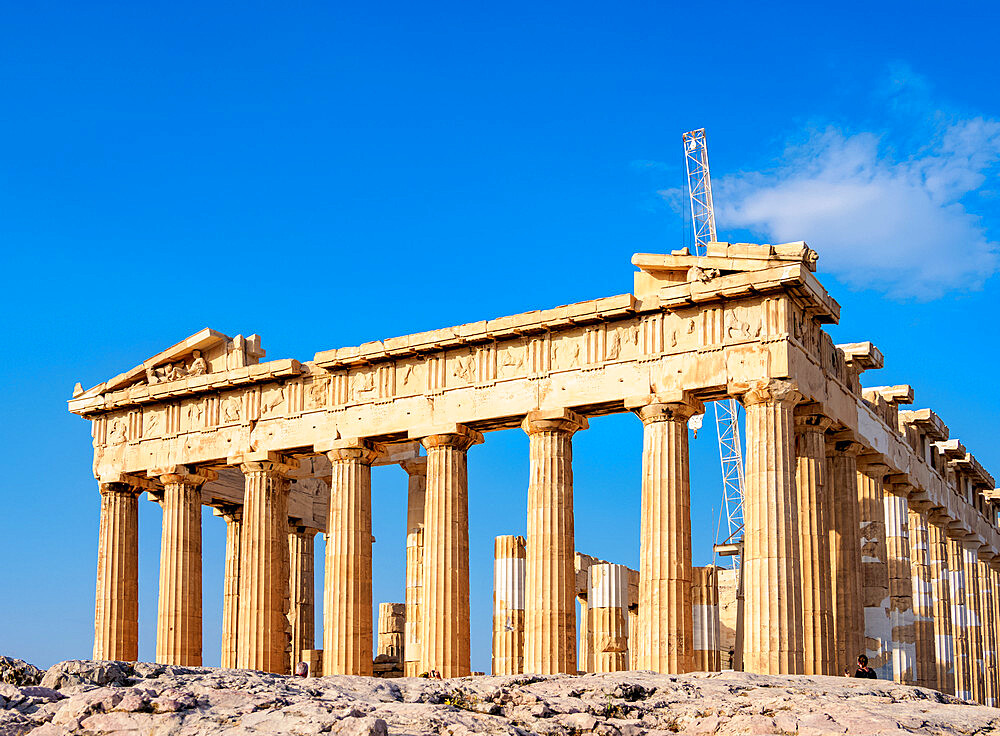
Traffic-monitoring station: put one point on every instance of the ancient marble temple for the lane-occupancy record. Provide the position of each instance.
(867, 527)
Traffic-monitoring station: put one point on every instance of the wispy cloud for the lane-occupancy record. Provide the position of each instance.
(884, 212)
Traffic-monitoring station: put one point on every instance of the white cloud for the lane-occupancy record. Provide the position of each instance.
(897, 225)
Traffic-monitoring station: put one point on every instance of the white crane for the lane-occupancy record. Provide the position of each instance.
(726, 411)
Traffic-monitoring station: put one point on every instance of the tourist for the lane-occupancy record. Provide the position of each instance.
(864, 670)
(302, 669)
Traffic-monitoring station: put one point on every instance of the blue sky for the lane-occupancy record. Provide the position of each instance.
(327, 174)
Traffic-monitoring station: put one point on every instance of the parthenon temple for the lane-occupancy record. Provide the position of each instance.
(868, 528)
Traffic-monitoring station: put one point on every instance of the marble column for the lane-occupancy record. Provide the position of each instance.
(508, 605)
(845, 553)
(989, 634)
(550, 573)
(959, 618)
(771, 555)
(815, 501)
(586, 655)
(705, 615)
(974, 635)
(897, 542)
(231, 587)
(923, 597)
(665, 624)
(875, 566)
(416, 471)
(264, 639)
(391, 630)
(607, 599)
(178, 614)
(993, 581)
(944, 648)
(116, 613)
(347, 592)
(444, 612)
(302, 591)
(633, 637)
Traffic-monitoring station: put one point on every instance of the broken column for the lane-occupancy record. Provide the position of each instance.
(508, 605)
(178, 617)
(389, 648)
(416, 471)
(665, 625)
(264, 637)
(923, 597)
(116, 618)
(875, 565)
(608, 605)
(550, 615)
(705, 617)
(444, 610)
(944, 649)
(301, 587)
(897, 537)
(771, 556)
(347, 594)
(815, 516)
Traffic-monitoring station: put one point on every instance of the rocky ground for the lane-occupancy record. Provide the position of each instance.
(81, 697)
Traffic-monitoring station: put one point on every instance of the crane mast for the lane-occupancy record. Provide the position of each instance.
(726, 412)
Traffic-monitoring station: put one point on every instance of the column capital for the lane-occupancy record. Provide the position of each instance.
(676, 406)
(263, 460)
(118, 488)
(812, 421)
(187, 474)
(353, 448)
(138, 483)
(771, 391)
(848, 448)
(448, 435)
(872, 465)
(414, 466)
(553, 420)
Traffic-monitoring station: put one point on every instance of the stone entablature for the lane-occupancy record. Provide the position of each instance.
(747, 313)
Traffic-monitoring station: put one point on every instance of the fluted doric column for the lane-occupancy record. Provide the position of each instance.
(178, 621)
(264, 639)
(416, 471)
(944, 648)
(607, 600)
(347, 593)
(302, 591)
(508, 605)
(989, 634)
(585, 661)
(665, 619)
(231, 587)
(875, 566)
(923, 596)
(845, 553)
(444, 611)
(815, 517)
(897, 542)
(705, 613)
(116, 612)
(771, 555)
(959, 618)
(970, 558)
(550, 573)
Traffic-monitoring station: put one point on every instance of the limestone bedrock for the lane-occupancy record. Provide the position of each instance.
(156, 698)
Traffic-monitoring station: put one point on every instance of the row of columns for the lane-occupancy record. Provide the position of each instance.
(830, 567)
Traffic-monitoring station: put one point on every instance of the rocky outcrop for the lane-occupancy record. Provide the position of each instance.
(18, 672)
(104, 698)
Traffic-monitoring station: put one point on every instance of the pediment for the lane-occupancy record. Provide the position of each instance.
(206, 351)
